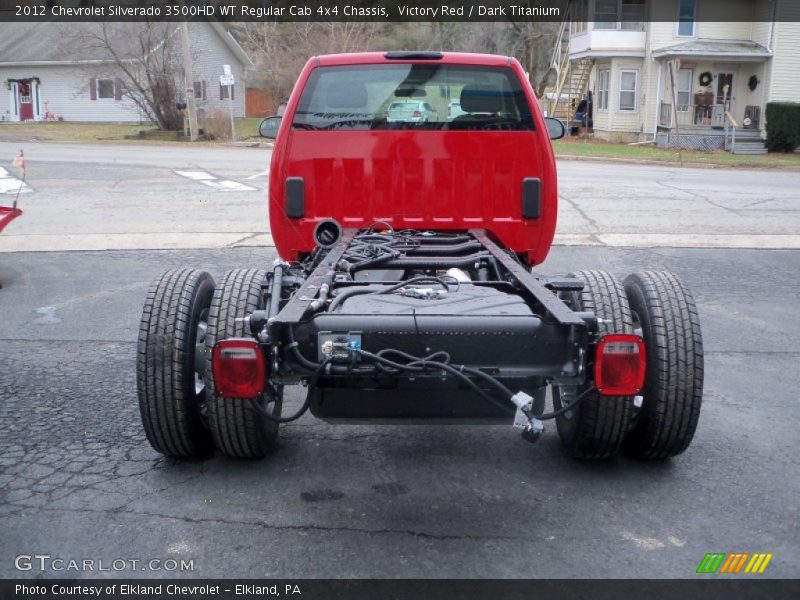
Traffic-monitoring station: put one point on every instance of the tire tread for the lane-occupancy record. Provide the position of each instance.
(674, 387)
(603, 421)
(238, 430)
(169, 413)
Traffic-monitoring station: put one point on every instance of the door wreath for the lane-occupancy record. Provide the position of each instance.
(706, 78)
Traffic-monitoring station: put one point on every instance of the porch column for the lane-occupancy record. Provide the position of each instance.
(659, 89)
(13, 102)
(36, 99)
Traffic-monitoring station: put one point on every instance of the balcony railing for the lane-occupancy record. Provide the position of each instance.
(603, 40)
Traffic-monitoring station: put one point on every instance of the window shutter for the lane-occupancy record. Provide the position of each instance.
(204, 90)
(93, 89)
(118, 89)
(233, 92)
(221, 92)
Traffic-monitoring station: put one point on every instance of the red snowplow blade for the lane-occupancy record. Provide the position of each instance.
(8, 214)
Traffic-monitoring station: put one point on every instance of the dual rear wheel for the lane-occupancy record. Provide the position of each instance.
(183, 317)
(185, 314)
(662, 423)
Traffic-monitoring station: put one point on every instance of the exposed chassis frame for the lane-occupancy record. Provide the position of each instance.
(564, 333)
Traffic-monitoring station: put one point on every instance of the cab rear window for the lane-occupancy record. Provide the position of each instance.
(413, 96)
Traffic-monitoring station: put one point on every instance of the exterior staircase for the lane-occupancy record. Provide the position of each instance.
(748, 142)
(572, 83)
(572, 78)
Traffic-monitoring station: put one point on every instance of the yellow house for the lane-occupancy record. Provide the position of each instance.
(665, 71)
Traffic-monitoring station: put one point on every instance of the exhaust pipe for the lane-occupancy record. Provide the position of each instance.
(327, 233)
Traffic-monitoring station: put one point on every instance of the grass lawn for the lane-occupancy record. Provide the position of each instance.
(248, 127)
(96, 132)
(600, 150)
(68, 132)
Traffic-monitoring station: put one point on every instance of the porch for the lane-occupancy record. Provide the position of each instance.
(708, 127)
(711, 96)
(709, 139)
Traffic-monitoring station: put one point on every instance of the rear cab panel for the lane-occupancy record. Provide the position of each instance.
(441, 176)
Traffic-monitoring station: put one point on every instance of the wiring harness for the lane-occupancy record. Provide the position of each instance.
(391, 361)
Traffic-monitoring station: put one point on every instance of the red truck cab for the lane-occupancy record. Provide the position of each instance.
(448, 173)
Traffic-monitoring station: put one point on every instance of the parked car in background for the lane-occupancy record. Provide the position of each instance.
(410, 111)
(454, 110)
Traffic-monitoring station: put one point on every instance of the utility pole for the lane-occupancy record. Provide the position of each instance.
(226, 80)
(230, 110)
(191, 107)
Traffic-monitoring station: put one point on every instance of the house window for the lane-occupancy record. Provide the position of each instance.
(632, 15)
(687, 14)
(580, 16)
(685, 90)
(602, 89)
(619, 15)
(627, 90)
(200, 90)
(606, 14)
(24, 92)
(223, 92)
(105, 88)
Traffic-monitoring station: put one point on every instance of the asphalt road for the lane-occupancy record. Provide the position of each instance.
(96, 197)
(78, 480)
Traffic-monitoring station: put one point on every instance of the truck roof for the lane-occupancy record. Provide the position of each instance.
(457, 58)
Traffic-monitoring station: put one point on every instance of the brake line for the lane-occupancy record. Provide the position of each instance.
(312, 383)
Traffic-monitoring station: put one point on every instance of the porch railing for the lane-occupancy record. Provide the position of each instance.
(718, 116)
(731, 125)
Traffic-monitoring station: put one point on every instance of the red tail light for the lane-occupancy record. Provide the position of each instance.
(238, 366)
(619, 365)
(417, 114)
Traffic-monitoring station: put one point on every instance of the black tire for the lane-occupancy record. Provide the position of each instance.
(596, 428)
(239, 430)
(169, 401)
(673, 391)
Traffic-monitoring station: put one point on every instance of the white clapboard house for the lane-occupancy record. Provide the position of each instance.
(48, 75)
(663, 71)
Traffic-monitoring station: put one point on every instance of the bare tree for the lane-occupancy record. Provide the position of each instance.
(532, 43)
(280, 50)
(144, 60)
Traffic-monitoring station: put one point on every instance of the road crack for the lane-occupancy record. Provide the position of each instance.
(697, 196)
(583, 215)
(300, 528)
